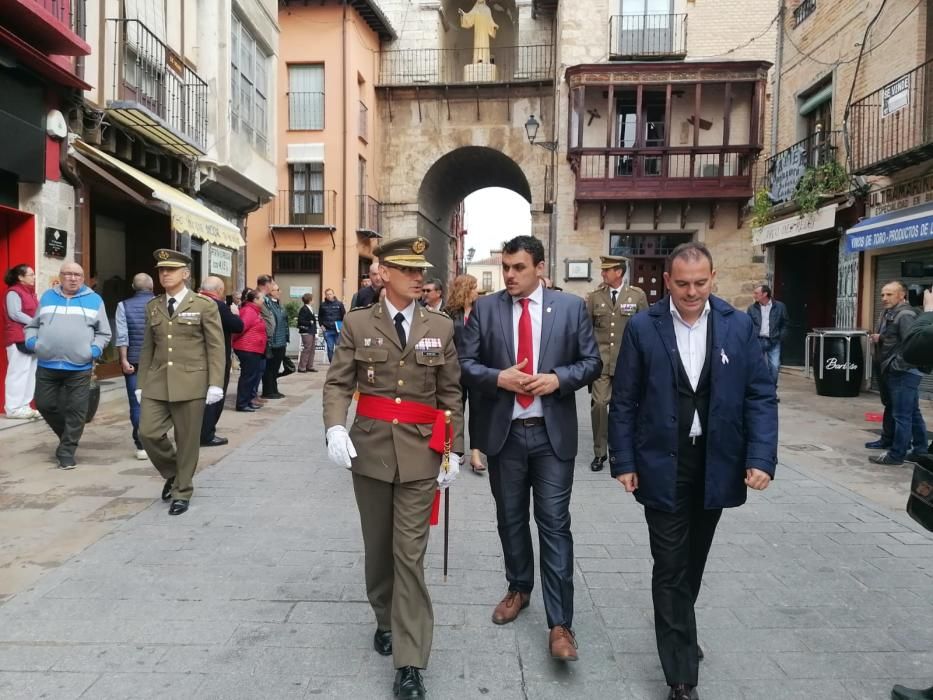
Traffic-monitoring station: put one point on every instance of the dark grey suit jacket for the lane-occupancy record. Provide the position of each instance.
(568, 349)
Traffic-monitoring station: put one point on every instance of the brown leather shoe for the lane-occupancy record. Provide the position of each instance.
(509, 607)
(563, 644)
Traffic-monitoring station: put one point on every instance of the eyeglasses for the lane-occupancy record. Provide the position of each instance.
(77, 275)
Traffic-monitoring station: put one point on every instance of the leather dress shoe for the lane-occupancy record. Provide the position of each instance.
(562, 644)
(408, 684)
(167, 488)
(178, 507)
(382, 642)
(598, 463)
(700, 653)
(248, 409)
(899, 692)
(277, 395)
(877, 445)
(682, 691)
(509, 607)
(215, 442)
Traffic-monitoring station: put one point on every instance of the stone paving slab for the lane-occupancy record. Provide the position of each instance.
(811, 591)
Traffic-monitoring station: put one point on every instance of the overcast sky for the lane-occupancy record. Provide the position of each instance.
(494, 215)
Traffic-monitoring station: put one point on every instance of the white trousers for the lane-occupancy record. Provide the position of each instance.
(20, 379)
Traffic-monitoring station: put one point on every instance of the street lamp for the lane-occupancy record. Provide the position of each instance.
(531, 129)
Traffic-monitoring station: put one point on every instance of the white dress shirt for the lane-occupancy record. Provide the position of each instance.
(408, 312)
(691, 346)
(535, 409)
(765, 330)
(177, 297)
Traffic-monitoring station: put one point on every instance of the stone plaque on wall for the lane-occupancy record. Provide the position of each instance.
(56, 242)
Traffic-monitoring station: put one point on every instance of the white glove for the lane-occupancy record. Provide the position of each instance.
(139, 395)
(339, 447)
(214, 394)
(445, 479)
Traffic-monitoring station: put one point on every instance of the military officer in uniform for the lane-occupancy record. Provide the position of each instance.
(610, 306)
(181, 368)
(401, 357)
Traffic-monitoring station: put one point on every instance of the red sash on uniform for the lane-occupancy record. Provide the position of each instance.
(408, 412)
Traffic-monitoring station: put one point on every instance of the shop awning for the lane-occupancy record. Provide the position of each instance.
(188, 215)
(911, 225)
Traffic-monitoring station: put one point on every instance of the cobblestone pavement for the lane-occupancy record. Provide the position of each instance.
(257, 592)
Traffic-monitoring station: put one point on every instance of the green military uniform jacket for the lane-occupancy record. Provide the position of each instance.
(370, 359)
(609, 322)
(183, 355)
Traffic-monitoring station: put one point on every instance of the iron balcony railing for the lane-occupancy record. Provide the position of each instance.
(149, 74)
(892, 127)
(306, 111)
(61, 10)
(500, 64)
(370, 215)
(682, 163)
(364, 122)
(783, 170)
(804, 10)
(305, 208)
(648, 36)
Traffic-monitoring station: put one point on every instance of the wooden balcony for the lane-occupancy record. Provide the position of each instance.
(50, 26)
(892, 128)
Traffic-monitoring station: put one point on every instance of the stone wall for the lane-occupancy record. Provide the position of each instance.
(53, 205)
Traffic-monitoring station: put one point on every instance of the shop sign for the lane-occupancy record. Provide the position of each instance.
(909, 193)
(221, 262)
(786, 170)
(298, 292)
(914, 231)
(56, 242)
(895, 96)
(823, 218)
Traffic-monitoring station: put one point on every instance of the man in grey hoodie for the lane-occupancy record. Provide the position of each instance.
(70, 331)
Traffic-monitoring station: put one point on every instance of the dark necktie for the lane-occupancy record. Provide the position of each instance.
(614, 292)
(171, 307)
(525, 349)
(400, 329)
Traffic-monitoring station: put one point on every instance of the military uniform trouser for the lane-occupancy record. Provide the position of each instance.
(599, 414)
(180, 460)
(395, 518)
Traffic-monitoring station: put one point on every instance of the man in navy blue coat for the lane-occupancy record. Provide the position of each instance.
(213, 287)
(692, 425)
(524, 353)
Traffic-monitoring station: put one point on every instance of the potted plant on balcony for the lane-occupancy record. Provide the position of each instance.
(818, 183)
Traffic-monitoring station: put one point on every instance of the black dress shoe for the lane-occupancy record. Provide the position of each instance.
(598, 463)
(248, 409)
(408, 684)
(682, 691)
(178, 507)
(276, 395)
(216, 442)
(167, 488)
(382, 642)
(899, 692)
(700, 653)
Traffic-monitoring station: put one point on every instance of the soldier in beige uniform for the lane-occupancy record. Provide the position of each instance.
(181, 368)
(401, 358)
(610, 306)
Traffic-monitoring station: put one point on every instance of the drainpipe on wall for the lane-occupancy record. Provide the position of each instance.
(70, 175)
(778, 61)
(552, 220)
(346, 169)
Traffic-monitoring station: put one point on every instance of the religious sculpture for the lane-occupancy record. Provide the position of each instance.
(480, 20)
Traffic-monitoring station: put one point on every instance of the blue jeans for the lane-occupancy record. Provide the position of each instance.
(771, 349)
(330, 339)
(130, 380)
(901, 397)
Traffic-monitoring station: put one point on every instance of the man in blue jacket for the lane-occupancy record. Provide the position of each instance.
(67, 334)
(692, 425)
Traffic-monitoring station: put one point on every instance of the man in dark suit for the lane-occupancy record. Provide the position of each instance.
(692, 425)
(213, 287)
(769, 317)
(370, 295)
(525, 351)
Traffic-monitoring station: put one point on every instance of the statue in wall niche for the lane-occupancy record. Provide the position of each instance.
(480, 20)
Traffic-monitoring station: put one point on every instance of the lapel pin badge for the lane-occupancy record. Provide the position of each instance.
(549, 309)
(724, 357)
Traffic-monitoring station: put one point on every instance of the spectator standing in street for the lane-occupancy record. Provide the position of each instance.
(330, 315)
(263, 285)
(213, 288)
(67, 334)
(902, 423)
(370, 295)
(525, 352)
(307, 329)
(610, 307)
(403, 361)
(250, 348)
(770, 319)
(278, 342)
(130, 322)
(432, 296)
(692, 425)
(181, 368)
(21, 307)
(365, 282)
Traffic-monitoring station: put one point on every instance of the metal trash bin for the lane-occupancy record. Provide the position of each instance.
(840, 360)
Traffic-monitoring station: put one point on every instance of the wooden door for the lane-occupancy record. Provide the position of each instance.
(647, 276)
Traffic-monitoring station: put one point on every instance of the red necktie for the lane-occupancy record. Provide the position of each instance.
(525, 349)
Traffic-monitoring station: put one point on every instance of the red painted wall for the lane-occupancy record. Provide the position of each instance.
(17, 246)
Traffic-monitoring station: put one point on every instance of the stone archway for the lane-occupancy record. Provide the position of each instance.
(448, 181)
